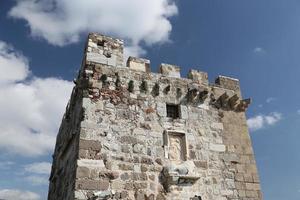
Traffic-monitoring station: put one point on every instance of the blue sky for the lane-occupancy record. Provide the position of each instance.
(41, 47)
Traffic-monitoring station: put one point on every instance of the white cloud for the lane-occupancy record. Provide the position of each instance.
(36, 174)
(62, 22)
(261, 121)
(37, 180)
(31, 108)
(259, 50)
(298, 111)
(12, 63)
(133, 51)
(13, 194)
(256, 122)
(273, 118)
(38, 168)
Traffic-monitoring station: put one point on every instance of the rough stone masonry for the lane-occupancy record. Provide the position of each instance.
(128, 133)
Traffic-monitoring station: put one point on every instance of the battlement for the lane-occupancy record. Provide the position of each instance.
(105, 50)
(104, 60)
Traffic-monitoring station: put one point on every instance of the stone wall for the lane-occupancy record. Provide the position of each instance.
(65, 155)
(144, 135)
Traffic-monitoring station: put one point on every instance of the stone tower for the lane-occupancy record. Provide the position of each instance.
(128, 133)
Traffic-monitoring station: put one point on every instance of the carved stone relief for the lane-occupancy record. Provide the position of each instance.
(176, 147)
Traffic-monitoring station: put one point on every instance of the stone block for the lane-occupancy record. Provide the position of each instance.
(140, 185)
(139, 176)
(239, 177)
(123, 194)
(125, 167)
(228, 83)
(248, 178)
(138, 148)
(125, 176)
(138, 64)
(160, 197)
(242, 193)
(109, 174)
(198, 76)
(250, 193)
(252, 186)
(80, 194)
(152, 177)
(226, 192)
(129, 186)
(90, 144)
(90, 163)
(92, 44)
(161, 109)
(87, 184)
(230, 184)
(231, 158)
(170, 70)
(184, 112)
(126, 148)
(217, 147)
(146, 160)
(129, 139)
(117, 185)
(140, 195)
(82, 172)
(136, 168)
(217, 126)
(201, 164)
(240, 185)
(83, 153)
(144, 168)
(102, 59)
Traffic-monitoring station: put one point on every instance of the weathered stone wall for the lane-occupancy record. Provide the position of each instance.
(65, 155)
(128, 147)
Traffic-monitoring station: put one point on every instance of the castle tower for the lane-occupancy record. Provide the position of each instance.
(128, 133)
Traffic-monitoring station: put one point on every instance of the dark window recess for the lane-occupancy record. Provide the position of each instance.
(100, 43)
(173, 111)
(196, 198)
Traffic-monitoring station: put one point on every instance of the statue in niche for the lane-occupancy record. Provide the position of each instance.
(179, 170)
(176, 146)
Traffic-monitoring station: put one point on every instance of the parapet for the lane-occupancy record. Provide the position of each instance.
(170, 70)
(138, 64)
(104, 50)
(198, 76)
(228, 83)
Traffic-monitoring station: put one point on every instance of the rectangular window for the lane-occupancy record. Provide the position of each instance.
(173, 111)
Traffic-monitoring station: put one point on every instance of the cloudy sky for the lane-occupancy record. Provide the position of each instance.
(41, 46)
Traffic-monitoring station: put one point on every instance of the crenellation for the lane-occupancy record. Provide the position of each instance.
(170, 70)
(104, 50)
(129, 133)
(228, 83)
(198, 76)
(138, 64)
